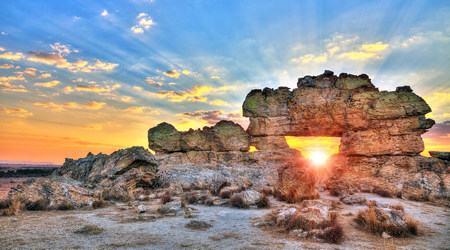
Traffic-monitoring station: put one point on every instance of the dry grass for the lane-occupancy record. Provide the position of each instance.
(333, 234)
(89, 230)
(14, 207)
(237, 201)
(198, 225)
(5, 203)
(65, 205)
(38, 205)
(267, 191)
(263, 202)
(373, 221)
(225, 194)
(295, 194)
(382, 192)
(397, 206)
(166, 197)
(189, 198)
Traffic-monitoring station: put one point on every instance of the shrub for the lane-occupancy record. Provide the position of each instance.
(5, 203)
(38, 205)
(166, 197)
(14, 207)
(209, 202)
(89, 230)
(65, 205)
(225, 194)
(297, 221)
(267, 191)
(333, 234)
(237, 201)
(373, 221)
(198, 225)
(189, 198)
(397, 206)
(382, 192)
(263, 202)
(297, 194)
(279, 195)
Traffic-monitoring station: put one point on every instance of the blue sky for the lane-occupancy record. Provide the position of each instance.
(100, 73)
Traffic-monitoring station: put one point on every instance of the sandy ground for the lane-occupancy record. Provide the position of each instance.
(231, 229)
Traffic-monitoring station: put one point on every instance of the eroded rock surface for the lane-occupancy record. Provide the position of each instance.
(223, 137)
(370, 122)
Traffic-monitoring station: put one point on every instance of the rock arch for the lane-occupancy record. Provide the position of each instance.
(370, 122)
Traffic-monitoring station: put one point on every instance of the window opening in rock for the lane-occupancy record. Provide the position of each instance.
(317, 149)
(252, 149)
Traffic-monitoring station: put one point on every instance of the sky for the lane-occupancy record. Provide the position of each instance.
(94, 76)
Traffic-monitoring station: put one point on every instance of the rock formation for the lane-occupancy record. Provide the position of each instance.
(225, 136)
(368, 121)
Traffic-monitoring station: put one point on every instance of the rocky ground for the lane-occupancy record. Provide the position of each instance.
(215, 227)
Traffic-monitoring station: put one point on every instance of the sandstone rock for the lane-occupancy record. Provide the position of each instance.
(349, 106)
(440, 155)
(250, 197)
(225, 136)
(353, 199)
(269, 142)
(141, 208)
(165, 138)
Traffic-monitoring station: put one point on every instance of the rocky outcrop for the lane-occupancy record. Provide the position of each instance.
(440, 155)
(80, 182)
(411, 177)
(225, 136)
(370, 122)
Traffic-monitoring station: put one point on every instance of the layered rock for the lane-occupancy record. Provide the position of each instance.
(225, 136)
(347, 106)
(80, 182)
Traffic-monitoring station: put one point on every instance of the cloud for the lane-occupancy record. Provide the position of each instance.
(186, 72)
(152, 82)
(51, 105)
(96, 88)
(172, 73)
(141, 110)
(47, 84)
(172, 83)
(310, 58)
(6, 66)
(17, 112)
(94, 105)
(138, 88)
(211, 117)
(62, 49)
(141, 15)
(1, 48)
(11, 56)
(68, 90)
(105, 13)
(12, 78)
(6, 86)
(215, 77)
(219, 103)
(137, 30)
(193, 95)
(379, 46)
(145, 22)
(61, 62)
(46, 75)
(127, 99)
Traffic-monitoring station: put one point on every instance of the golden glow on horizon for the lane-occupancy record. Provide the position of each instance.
(308, 145)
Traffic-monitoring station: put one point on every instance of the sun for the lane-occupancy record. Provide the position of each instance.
(318, 157)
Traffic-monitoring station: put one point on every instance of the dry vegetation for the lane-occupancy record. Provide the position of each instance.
(166, 197)
(263, 202)
(374, 221)
(89, 230)
(237, 201)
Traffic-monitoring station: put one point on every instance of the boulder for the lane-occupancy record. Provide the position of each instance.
(165, 138)
(440, 155)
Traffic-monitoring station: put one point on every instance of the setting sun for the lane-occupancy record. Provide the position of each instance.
(318, 157)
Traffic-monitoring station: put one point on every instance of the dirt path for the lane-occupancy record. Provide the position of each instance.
(231, 229)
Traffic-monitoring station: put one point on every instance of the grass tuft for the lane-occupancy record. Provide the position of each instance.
(263, 202)
(237, 201)
(166, 197)
(89, 230)
(382, 192)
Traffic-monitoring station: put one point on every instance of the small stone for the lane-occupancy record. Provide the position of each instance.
(142, 208)
(385, 235)
(14, 219)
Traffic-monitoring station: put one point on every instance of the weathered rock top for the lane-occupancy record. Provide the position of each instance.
(225, 136)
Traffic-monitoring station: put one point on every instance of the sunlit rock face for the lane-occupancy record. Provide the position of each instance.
(370, 122)
(225, 136)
